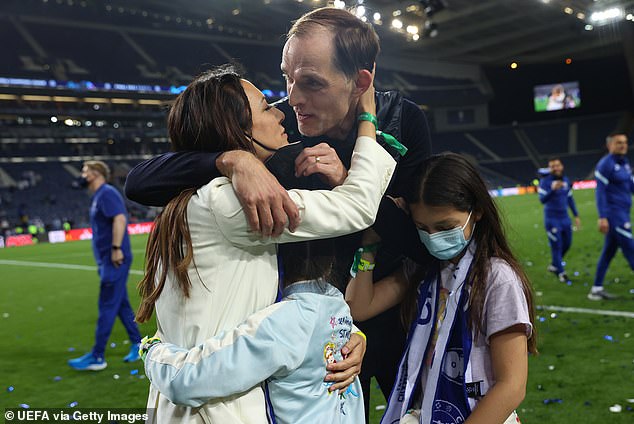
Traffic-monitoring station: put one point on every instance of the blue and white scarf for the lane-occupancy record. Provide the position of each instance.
(446, 378)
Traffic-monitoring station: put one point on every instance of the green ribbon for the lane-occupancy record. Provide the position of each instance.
(357, 257)
(392, 141)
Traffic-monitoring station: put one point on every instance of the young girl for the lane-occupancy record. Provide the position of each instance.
(466, 359)
(289, 343)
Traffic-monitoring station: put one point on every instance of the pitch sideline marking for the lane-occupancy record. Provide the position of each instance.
(58, 265)
(625, 314)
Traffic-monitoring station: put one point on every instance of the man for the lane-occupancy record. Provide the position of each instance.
(111, 248)
(614, 201)
(555, 193)
(326, 61)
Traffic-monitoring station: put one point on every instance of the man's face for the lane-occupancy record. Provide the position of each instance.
(88, 173)
(320, 94)
(556, 168)
(618, 144)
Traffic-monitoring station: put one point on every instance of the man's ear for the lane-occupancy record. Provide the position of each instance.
(362, 82)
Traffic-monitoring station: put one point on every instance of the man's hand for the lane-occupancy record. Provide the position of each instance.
(267, 206)
(577, 223)
(343, 373)
(556, 185)
(321, 159)
(117, 258)
(604, 226)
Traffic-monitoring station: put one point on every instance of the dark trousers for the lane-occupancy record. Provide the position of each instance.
(113, 302)
(386, 342)
(559, 232)
(620, 235)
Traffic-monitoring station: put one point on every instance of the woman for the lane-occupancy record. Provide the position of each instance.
(467, 354)
(205, 272)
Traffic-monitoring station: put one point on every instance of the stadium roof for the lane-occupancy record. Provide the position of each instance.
(485, 32)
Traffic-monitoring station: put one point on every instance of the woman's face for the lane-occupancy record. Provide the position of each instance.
(267, 122)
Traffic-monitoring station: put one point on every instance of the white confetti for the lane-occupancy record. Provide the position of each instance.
(616, 408)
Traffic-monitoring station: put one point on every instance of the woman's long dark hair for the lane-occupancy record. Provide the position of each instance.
(211, 115)
(450, 179)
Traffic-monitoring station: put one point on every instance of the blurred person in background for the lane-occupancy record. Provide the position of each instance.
(325, 52)
(111, 248)
(614, 201)
(555, 193)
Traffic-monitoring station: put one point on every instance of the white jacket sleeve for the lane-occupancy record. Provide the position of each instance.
(270, 341)
(346, 209)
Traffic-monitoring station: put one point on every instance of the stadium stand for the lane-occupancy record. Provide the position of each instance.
(50, 130)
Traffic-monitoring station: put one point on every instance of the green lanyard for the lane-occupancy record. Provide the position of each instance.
(389, 139)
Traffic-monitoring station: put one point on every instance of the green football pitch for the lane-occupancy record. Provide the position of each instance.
(48, 308)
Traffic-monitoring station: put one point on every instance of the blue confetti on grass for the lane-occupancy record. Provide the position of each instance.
(24, 406)
(134, 372)
(57, 378)
(608, 338)
(10, 389)
(555, 400)
(71, 349)
(73, 404)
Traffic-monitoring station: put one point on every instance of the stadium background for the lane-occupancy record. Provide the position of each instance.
(88, 79)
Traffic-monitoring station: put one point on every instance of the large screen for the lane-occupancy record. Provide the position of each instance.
(558, 96)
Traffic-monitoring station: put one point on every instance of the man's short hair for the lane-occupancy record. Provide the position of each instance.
(356, 43)
(554, 158)
(100, 167)
(614, 134)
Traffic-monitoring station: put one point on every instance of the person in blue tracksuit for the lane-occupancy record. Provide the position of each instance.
(111, 248)
(614, 201)
(555, 193)
(288, 344)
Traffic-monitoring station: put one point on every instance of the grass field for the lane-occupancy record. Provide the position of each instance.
(586, 363)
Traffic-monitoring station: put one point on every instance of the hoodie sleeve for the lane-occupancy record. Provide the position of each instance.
(602, 175)
(270, 341)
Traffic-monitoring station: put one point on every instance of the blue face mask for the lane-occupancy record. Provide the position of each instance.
(446, 244)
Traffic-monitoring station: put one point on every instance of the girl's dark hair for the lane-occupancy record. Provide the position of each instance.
(309, 260)
(449, 179)
(211, 115)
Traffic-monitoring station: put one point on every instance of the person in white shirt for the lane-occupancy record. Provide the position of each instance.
(205, 272)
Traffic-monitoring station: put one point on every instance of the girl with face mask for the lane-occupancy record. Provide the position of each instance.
(471, 329)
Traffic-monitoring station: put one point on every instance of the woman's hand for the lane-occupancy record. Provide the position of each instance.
(323, 160)
(367, 103)
(342, 373)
